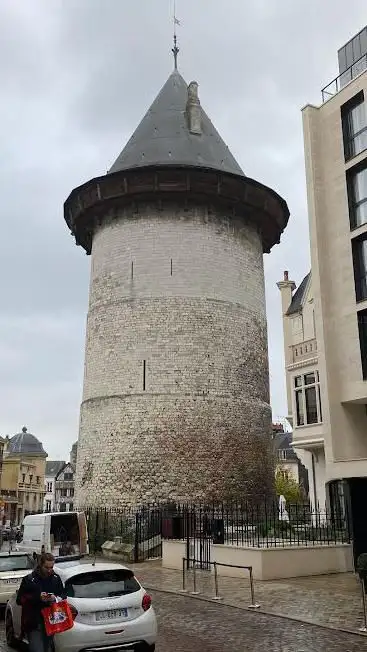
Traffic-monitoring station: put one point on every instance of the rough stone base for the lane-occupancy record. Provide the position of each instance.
(199, 449)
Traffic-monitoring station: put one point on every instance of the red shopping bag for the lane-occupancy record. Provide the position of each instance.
(58, 618)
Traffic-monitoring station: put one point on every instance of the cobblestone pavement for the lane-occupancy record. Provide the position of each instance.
(186, 625)
(331, 600)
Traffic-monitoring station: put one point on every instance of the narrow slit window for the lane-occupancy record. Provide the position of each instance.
(144, 374)
(132, 269)
(171, 266)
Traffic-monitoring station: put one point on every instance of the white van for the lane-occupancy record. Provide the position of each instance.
(64, 534)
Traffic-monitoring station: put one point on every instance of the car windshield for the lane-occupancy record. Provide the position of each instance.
(101, 584)
(15, 563)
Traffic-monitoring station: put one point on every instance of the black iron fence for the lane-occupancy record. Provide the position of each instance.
(136, 534)
(131, 534)
(258, 526)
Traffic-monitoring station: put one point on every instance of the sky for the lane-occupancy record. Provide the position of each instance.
(76, 78)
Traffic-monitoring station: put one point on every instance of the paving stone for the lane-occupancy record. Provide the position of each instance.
(186, 625)
(329, 600)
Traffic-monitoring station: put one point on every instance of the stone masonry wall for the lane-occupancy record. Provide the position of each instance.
(176, 396)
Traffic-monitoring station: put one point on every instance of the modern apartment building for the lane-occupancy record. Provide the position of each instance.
(335, 141)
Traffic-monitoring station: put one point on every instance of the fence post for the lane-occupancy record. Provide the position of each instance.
(96, 529)
(194, 592)
(364, 627)
(216, 597)
(184, 590)
(253, 604)
(136, 539)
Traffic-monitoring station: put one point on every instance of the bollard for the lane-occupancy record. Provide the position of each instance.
(253, 604)
(194, 592)
(183, 590)
(364, 627)
(216, 597)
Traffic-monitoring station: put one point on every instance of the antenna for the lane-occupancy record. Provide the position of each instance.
(175, 49)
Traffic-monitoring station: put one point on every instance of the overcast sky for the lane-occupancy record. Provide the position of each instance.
(76, 76)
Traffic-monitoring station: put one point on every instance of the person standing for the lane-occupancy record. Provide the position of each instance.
(37, 591)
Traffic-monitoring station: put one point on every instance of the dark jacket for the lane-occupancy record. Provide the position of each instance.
(29, 597)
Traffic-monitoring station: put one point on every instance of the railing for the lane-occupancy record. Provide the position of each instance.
(187, 560)
(137, 532)
(344, 78)
(304, 350)
(258, 526)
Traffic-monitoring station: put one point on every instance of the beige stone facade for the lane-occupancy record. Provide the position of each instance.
(305, 409)
(335, 140)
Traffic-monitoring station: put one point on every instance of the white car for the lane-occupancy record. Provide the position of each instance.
(13, 567)
(111, 611)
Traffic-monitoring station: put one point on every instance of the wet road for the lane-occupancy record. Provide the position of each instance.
(186, 625)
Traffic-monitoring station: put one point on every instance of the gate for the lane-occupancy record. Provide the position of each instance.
(199, 539)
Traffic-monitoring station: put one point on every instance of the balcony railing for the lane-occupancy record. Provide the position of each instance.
(342, 80)
(304, 350)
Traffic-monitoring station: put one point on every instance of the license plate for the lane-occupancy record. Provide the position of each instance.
(111, 614)
(11, 581)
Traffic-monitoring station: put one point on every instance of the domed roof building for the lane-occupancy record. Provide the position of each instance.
(24, 443)
(23, 476)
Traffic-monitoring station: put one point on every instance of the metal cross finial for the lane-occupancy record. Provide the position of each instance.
(175, 49)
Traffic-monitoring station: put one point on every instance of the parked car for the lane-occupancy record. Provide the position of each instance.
(13, 567)
(111, 610)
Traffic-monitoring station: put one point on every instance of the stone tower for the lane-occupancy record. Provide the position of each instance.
(176, 387)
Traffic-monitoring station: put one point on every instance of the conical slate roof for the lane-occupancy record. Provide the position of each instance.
(163, 136)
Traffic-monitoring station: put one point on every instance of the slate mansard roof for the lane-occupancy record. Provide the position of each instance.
(53, 467)
(163, 137)
(299, 296)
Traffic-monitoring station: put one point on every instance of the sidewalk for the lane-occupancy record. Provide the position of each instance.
(332, 601)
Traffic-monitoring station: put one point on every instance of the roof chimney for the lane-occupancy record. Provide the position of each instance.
(193, 109)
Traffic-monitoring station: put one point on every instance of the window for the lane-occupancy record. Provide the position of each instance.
(23, 477)
(352, 57)
(63, 507)
(68, 476)
(38, 479)
(71, 492)
(362, 325)
(48, 505)
(359, 250)
(307, 399)
(64, 492)
(31, 478)
(357, 196)
(71, 507)
(354, 122)
(49, 488)
(102, 584)
(15, 563)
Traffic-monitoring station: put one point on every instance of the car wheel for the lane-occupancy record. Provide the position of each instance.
(9, 631)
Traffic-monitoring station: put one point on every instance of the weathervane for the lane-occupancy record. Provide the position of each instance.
(175, 49)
